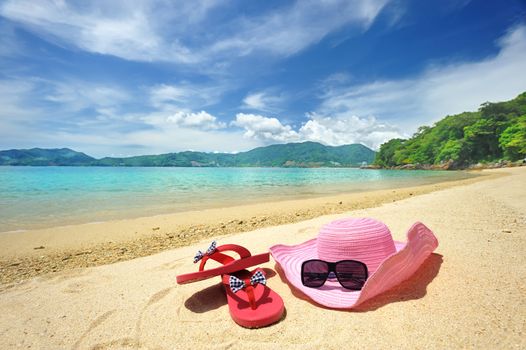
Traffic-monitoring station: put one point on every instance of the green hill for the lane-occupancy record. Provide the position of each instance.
(496, 131)
(41, 157)
(306, 154)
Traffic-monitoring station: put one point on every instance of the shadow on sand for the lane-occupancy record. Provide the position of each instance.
(213, 297)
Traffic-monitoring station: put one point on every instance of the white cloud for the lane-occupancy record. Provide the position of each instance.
(201, 120)
(343, 130)
(38, 105)
(27, 122)
(290, 30)
(45, 101)
(438, 91)
(264, 129)
(130, 30)
(163, 94)
(91, 117)
(172, 139)
(75, 96)
(95, 118)
(254, 101)
(334, 131)
(172, 118)
(262, 101)
(338, 78)
(185, 96)
(179, 31)
(12, 100)
(139, 142)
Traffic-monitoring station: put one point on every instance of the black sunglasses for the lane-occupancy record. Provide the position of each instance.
(351, 274)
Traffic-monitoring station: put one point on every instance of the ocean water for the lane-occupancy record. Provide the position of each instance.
(38, 197)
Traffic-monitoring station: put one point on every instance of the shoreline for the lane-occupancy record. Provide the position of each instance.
(271, 200)
(38, 252)
(62, 207)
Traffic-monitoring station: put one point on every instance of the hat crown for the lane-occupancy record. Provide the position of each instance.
(363, 239)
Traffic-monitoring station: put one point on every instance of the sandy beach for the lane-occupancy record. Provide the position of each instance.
(36, 252)
(471, 293)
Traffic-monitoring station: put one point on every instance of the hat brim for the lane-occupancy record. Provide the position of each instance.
(396, 268)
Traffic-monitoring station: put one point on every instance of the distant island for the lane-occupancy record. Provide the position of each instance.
(305, 155)
(496, 133)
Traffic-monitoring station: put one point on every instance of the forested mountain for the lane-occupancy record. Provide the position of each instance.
(306, 154)
(40, 157)
(494, 132)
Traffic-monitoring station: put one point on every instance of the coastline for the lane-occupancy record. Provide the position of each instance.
(38, 252)
(58, 196)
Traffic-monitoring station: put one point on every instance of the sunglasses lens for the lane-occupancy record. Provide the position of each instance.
(351, 274)
(314, 273)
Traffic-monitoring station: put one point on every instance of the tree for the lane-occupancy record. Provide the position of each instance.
(482, 140)
(469, 137)
(453, 150)
(513, 140)
(385, 156)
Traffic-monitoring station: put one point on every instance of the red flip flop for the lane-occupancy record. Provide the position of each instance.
(251, 303)
(230, 264)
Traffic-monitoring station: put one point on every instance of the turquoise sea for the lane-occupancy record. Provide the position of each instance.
(37, 197)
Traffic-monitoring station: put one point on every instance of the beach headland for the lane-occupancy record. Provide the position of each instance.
(36, 252)
(469, 294)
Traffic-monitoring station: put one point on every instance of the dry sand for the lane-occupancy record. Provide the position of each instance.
(470, 294)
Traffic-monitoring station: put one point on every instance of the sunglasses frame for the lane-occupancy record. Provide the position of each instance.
(332, 268)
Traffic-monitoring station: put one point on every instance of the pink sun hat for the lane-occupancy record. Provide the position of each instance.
(364, 239)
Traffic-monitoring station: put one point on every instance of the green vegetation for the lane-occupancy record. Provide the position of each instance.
(40, 157)
(306, 154)
(496, 131)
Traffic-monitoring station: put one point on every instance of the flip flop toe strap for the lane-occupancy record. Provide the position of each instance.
(219, 257)
(251, 297)
(248, 285)
(214, 253)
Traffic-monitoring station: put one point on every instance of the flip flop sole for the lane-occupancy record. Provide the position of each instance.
(270, 306)
(234, 266)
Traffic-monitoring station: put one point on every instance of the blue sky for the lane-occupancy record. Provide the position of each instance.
(141, 77)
